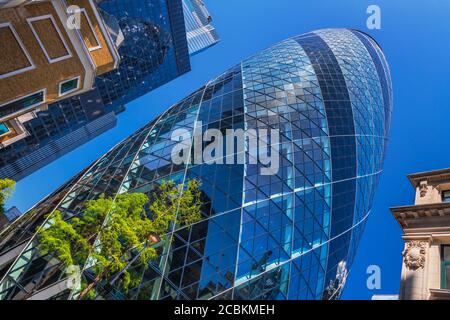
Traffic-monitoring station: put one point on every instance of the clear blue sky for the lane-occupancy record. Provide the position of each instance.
(415, 36)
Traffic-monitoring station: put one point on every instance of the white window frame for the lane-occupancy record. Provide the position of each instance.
(24, 50)
(61, 37)
(60, 94)
(44, 99)
(83, 10)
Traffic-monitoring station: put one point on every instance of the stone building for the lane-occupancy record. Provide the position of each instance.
(426, 232)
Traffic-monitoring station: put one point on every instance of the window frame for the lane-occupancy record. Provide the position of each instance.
(443, 197)
(61, 94)
(444, 265)
(25, 110)
(91, 26)
(8, 129)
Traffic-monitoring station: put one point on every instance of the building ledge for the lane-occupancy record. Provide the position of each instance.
(439, 294)
(404, 213)
(421, 207)
(441, 174)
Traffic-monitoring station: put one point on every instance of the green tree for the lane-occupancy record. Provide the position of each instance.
(109, 230)
(6, 190)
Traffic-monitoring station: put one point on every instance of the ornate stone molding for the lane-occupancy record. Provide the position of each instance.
(414, 254)
(423, 188)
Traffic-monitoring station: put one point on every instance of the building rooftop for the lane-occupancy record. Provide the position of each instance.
(441, 174)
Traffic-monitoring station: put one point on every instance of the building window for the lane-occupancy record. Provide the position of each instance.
(69, 86)
(446, 196)
(3, 129)
(22, 104)
(445, 267)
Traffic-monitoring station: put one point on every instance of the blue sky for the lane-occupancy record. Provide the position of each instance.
(415, 37)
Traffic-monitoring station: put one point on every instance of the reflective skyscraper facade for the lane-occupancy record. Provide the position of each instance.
(64, 126)
(154, 50)
(291, 235)
(201, 34)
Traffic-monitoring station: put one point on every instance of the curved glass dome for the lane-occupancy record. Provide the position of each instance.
(292, 235)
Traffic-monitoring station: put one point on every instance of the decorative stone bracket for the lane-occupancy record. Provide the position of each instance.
(423, 188)
(414, 254)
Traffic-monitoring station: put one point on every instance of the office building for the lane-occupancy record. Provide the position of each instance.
(201, 34)
(292, 234)
(426, 232)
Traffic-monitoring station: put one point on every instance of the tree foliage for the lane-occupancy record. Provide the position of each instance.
(108, 231)
(6, 190)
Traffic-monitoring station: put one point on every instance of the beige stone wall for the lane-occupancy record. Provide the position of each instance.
(432, 194)
(418, 280)
(434, 267)
(429, 192)
(413, 281)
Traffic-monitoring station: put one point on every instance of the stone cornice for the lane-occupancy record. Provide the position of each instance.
(404, 213)
(436, 175)
(440, 294)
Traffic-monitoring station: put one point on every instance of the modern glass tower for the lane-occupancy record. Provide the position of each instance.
(292, 235)
(201, 34)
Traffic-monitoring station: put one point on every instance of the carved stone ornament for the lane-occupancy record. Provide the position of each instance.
(423, 188)
(414, 254)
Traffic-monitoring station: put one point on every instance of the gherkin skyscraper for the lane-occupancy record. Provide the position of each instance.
(291, 235)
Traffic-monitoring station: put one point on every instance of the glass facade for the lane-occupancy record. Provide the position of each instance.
(54, 132)
(201, 34)
(291, 235)
(154, 50)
